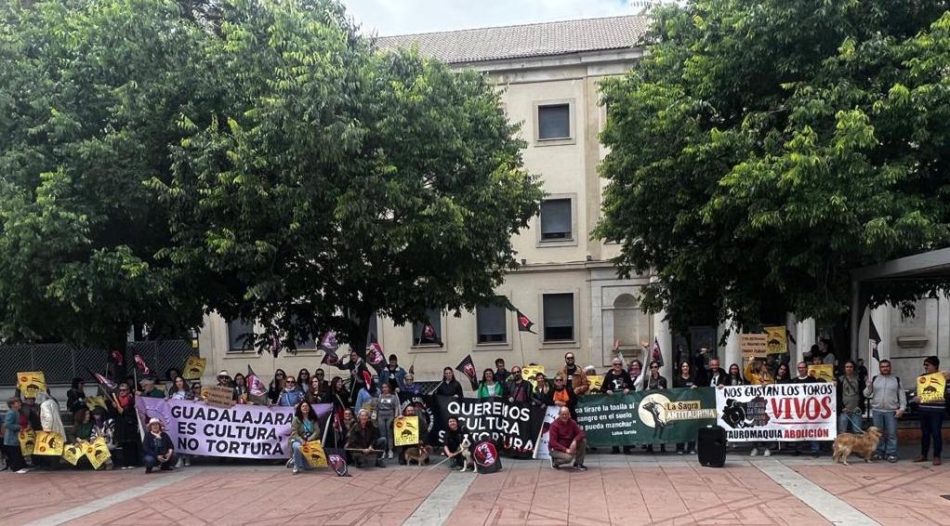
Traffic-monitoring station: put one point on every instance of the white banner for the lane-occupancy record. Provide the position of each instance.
(780, 412)
(543, 450)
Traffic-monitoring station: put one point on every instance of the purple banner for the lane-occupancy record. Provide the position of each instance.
(244, 431)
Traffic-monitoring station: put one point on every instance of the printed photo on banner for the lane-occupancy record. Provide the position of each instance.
(786, 412)
(824, 372)
(543, 451)
(406, 430)
(31, 383)
(673, 415)
(194, 368)
(931, 388)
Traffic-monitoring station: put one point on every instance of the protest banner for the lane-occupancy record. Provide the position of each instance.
(824, 372)
(27, 441)
(931, 388)
(786, 412)
(406, 430)
(194, 368)
(777, 341)
(31, 383)
(314, 454)
(97, 452)
(73, 452)
(655, 417)
(49, 444)
(513, 427)
(220, 396)
(244, 431)
(543, 451)
(596, 382)
(754, 345)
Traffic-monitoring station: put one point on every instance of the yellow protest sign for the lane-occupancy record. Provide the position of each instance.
(30, 383)
(777, 342)
(753, 345)
(931, 388)
(313, 452)
(73, 452)
(406, 430)
(49, 444)
(27, 441)
(528, 372)
(97, 452)
(92, 402)
(194, 368)
(596, 381)
(824, 372)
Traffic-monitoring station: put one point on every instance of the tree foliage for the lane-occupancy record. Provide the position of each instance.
(258, 158)
(764, 149)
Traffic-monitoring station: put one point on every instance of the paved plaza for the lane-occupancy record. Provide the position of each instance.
(617, 489)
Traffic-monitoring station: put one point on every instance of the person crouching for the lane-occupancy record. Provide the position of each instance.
(157, 448)
(364, 442)
(568, 441)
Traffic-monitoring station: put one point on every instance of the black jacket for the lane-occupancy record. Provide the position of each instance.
(154, 446)
(454, 388)
(616, 381)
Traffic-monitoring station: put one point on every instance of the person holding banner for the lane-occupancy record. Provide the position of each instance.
(735, 376)
(290, 396)
(489, 388)
(11, 437)
(519, 391)
(449, 386)
(686, 379)
(157, 448)
(364, 442)
(179, 390)
(303, 429)
(932, 400)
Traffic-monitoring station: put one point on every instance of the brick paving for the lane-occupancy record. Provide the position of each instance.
(617, 489)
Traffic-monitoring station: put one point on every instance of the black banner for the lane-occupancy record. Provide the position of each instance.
(512, 427)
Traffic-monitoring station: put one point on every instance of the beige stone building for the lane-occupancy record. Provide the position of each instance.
(549, 74)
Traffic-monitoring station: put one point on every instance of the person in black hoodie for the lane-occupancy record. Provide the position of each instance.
(449, 386)
(76, 396)
(157, 448)
(452, 442)
(617, 381)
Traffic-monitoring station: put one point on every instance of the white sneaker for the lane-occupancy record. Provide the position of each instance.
(389, 455)
(290, 463)
(22, 471)
(179, 463)
(767, 453)
(754, 452)
(188, 461)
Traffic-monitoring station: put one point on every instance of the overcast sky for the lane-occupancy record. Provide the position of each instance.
(397, 17)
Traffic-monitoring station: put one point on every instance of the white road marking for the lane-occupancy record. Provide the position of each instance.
(437, 507)
(829, 506)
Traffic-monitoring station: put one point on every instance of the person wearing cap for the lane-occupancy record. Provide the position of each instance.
(224, 379)
(157, 449)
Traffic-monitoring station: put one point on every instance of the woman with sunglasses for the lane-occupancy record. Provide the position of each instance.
(290, 396)
(240, 393)
(126, 427)
(276, 386)
(303, 380)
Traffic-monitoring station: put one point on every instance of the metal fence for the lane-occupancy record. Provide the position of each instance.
(61, 362)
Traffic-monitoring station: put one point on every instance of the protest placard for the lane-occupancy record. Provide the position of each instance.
(931, 388)
(27, 439)
(92, 402)
(656, 417)
(777, 342)
(48, 444)
(754, 345)
(194, 368)
(73, 452)
(314, 454)
(529, 372)
(824, 372)
(786, 412)
(97, 452)
(596, 382)
(220, 396)
(406, 430)
(31, 383)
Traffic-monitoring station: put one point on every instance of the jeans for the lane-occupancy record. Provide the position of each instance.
(886, 421)
(559, 458)
(386, 429)
(845, 418)
(299, 461)
(931, 424)
(151, 461)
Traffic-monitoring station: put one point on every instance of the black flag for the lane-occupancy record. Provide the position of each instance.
(524, 323)
(467, 367)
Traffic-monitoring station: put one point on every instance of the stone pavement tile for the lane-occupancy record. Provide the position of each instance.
(61, 489)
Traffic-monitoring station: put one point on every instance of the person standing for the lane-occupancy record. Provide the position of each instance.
(386, 409)
(489, 388)
(393, 374)
(804, 378)
(126, 434)
(449, 386)
(76, 396)
(888, 403)
(501, 374)
(850, 387)
(617, 381)
(575, 380)
(931, 418)
(568, 443)
(716, 376)
(519, 390)
(11, 437)
(685, 379)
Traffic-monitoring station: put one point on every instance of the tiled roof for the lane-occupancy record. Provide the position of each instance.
(530, 40)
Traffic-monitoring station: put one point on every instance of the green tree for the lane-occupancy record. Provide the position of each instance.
(763, 149)
(337, 182)
(90, 93)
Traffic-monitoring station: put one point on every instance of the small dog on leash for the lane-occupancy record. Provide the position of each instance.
(862, 445)
(418, 454)
(467, 460)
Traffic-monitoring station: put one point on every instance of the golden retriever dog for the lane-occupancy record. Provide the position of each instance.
(418, 454)
(862, 445)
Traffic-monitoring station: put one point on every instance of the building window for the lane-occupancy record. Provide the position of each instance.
(556, 220)
(429, 332)
(558, 317)
(491, 323)
(554, 121)
(238, 332)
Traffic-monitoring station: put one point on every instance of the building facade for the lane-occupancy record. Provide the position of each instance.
(549, 75)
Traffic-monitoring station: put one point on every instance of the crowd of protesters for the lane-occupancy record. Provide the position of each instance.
(365, 406)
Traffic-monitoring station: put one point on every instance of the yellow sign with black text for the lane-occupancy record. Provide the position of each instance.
(931, 388)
